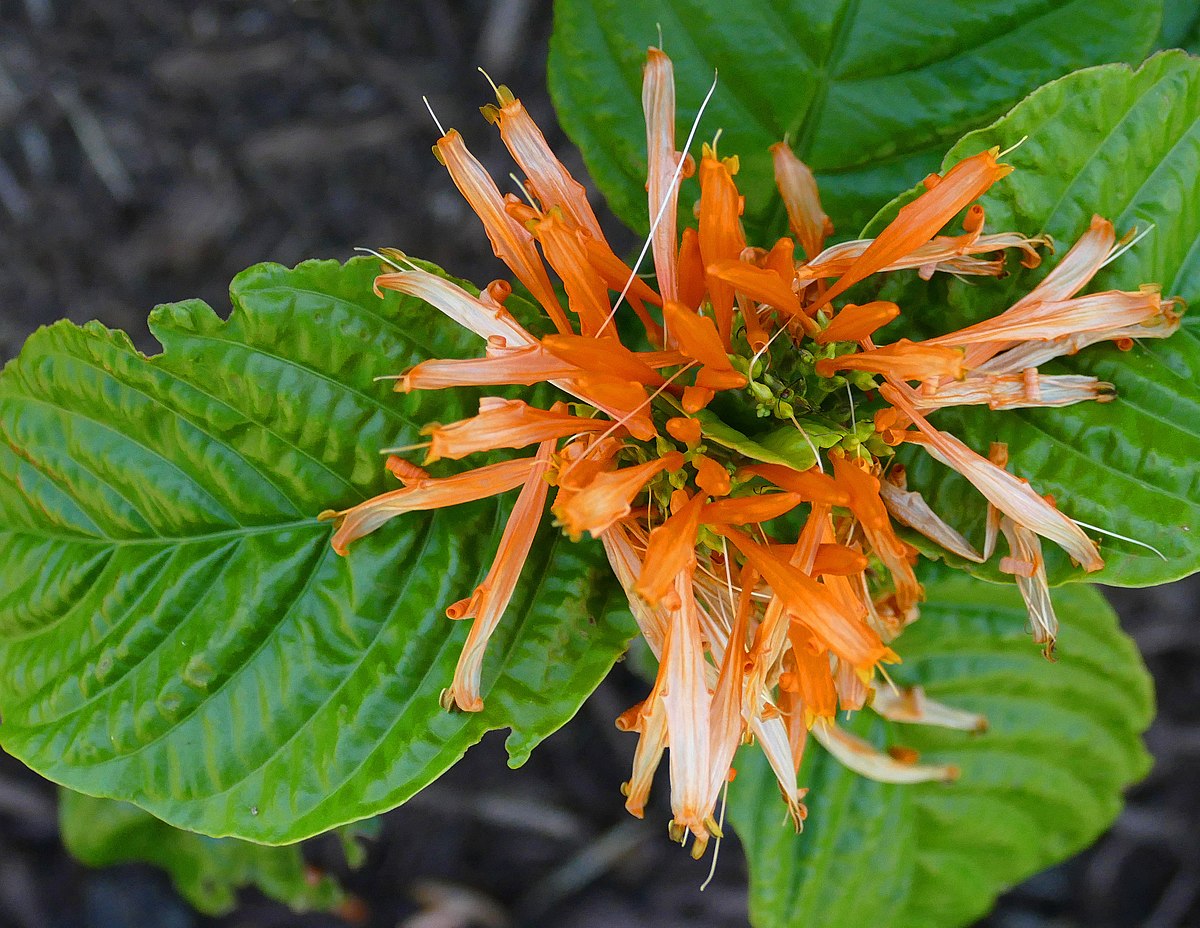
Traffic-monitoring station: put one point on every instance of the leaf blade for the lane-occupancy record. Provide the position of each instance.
(208, 657)
(843, 80)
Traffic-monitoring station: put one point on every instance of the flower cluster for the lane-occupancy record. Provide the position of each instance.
(766, 575)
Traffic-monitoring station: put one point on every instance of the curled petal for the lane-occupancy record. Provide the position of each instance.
(510, 240)
(1025, 549)
(909, 508)
(864, 758)
(911, 706)
(1027, 389)
(486, 321)
(491, 598)
(798, 188)
(662, 184)
(1011, 496)
(435, 493)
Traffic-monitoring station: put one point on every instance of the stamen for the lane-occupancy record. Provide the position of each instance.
(1017, 144)
(488, 77)
(763, 350)
(662, 208)
(812, 447)
(658, 26)
(712, 870)
(732, 598)
(524, 191)
(437, 122)
(887, 679)
(1132, 541)
(404, 449)
(385, 259)
(850, 396)
(1125, 247)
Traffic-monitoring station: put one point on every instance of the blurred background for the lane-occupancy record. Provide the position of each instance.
(148, 152)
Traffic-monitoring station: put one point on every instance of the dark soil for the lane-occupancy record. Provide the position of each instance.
(148, 152)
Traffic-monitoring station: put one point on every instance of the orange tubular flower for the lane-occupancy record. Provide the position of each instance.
(854, 323)
(670, 550)
(526, 366)
(427, 494)
(698, 338)
(721, 237)
(904, 360)
(758, 283)
(487, 604)
(872, 515)
(662, 185)
(511, 241)
(798, 188)
(917, 222)
(769, 594)
(1008, 494)
(746, 510)
(844, 634)
(504, 424)
(609, 497)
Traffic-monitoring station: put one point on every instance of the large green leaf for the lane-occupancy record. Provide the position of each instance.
(1040, 784)
(1125, 145)
(208, 872)
(175, 629)
(870, 92)
(1181, 25)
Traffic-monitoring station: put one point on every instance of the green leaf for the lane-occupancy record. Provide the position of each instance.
(175, 629)
(1181, 25)
(207, 872)
(1124, 145)
(869, 93)
(1039, 785)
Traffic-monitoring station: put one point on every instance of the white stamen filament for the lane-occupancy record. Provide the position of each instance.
(1120, 250)
(1132, 541)
(682, 157)
(437, 122)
